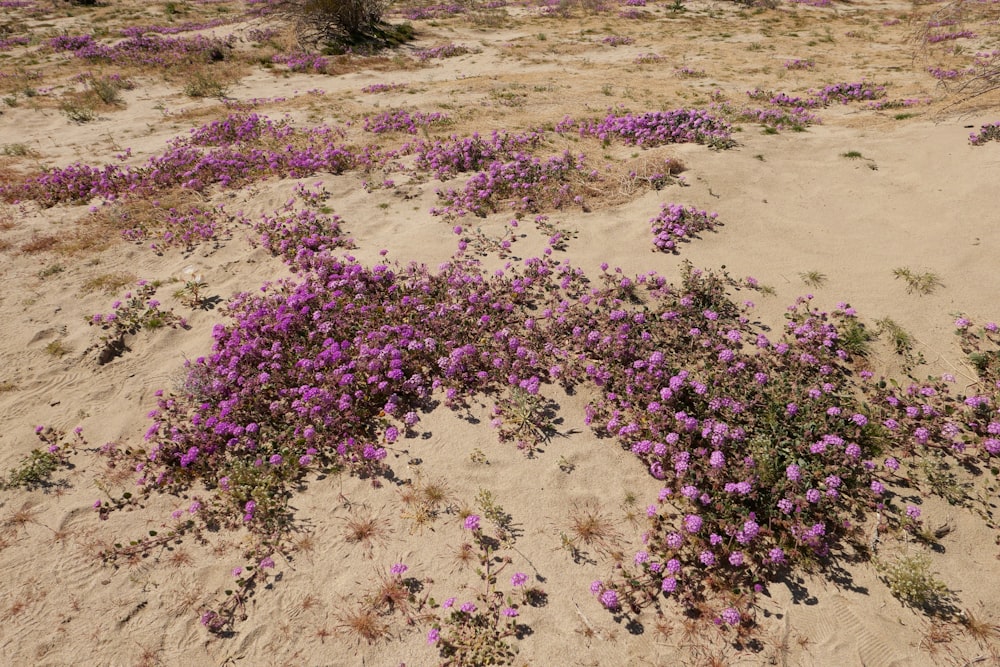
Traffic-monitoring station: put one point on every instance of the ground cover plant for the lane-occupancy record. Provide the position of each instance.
(386, 393)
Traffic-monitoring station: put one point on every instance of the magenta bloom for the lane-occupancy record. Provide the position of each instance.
(609, 599)
(433, 636)
(398, 568)
(692, 523)
(519, 579)
(472, 522)
(730, 616)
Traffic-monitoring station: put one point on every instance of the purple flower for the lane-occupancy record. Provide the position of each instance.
(730, 616)
(447, 604)
(793, 473)
(692, 523)
(509, 612)
(736, 558)
(266, 563)
(398, 568)
(275, 460)
(237, 571)
(433, 635)
(669, 585)
(468, 607)
(472, 522)
(519, 579)
(609, 599)
(913, 512)
(707, 558)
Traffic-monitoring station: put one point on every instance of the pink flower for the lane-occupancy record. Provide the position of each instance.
(472, 522)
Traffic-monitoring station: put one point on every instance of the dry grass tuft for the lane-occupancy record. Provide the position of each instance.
(363, 624)
(109, 283)
(368, 530)
(41, 243)
(588, 525)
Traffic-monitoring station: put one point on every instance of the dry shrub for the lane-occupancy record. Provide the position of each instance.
(40, 243)
(109, 283)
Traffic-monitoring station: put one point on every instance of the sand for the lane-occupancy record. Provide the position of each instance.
(919, 197)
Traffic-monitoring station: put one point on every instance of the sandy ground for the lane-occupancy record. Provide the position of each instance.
(920, 197)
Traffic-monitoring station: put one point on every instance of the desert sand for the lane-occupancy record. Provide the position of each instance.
(915, 195)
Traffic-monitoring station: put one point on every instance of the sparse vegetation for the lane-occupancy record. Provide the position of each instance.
(923, 283)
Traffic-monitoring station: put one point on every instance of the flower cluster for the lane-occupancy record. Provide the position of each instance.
(383, 87)
(675, 223)
(689, 73)
(402, 121)
(136, 311)
(934, 38)
(431, 12)
(233, 157)
(948, 74)
(449, 157)
(443, 51)
(648, 59)
(301, 61)
(147, 51)
(988, 132)
(8, 43)
(526, 183)
(185, 227)
(800, 64)
(617, 40)
(662, 127)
